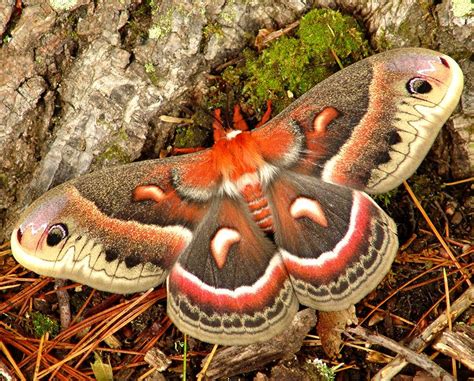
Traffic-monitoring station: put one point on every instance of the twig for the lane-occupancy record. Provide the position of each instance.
(401, 288)
(418, 359)
(423, 318)
(83, 307)
(392, 315)
(64, 305)
(149, 372)
(458, 345)
(438, 278)
(123, 318)
(407, 244)
(234, 360)
(421, 342)
(175, 120)
(23, 295)
(336, 58)
(264, 40)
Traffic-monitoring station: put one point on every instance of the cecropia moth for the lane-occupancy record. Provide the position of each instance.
(263, 221)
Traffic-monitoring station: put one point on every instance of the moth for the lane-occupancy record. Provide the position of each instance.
(265, 220)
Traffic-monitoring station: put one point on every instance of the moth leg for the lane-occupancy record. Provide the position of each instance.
(218, 126)
(238, 120)
(185, 150)
(266, 117)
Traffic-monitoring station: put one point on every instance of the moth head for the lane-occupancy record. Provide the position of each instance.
(43, 232)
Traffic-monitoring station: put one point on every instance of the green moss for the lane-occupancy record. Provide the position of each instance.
(383, 43)
(150, 3)
(294, 64)
(6, 39)
(319, 371)
(385, 199)
(324, 32)
(189, 136)
(212, 30)
(291, 66)
(228, 16)
(151, 71)
(162, 27)
(462, 8)
(149, 68)
(3, 180)
(115, 154)
(43, 323)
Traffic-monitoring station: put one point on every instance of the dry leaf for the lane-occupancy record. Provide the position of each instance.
(330, 326)
(157, 359)
(261, 39)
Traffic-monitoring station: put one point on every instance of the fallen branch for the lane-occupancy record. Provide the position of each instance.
(417, 359)
(63, 303)
(419, 343)
(239, 359)
(458, 344)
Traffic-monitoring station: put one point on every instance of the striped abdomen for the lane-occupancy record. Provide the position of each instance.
(258, 206)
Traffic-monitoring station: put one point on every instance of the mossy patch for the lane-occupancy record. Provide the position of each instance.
(212, 29)
(3, 180)
(189, 136)
(164, 19)
(285, 70)
(320, 371)
(385, 199)
(139, 23)
(294, 64)
(162, 26)
(151, 71)
(115, 153)
(43, 323)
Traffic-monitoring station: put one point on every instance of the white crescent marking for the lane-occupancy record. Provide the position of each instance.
(221, 243)
(305, 207)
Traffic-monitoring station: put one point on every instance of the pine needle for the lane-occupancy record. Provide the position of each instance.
(185, 352)
(203, 371)
(40, 354)
(436, 233)
(10, 358)
(468, 180)
(448, 316)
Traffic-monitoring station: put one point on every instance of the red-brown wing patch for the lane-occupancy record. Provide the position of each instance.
(197, 180)
(337, 245)
(280, 141)
(234, 291)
